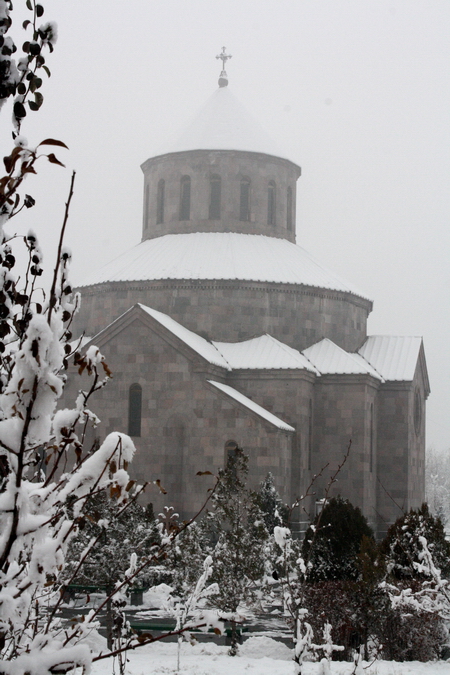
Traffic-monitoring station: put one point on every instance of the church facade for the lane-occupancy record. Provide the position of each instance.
(221, 331)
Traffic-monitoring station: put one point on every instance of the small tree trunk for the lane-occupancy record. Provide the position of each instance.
(109, 623)
(234, 639)
(180, 640)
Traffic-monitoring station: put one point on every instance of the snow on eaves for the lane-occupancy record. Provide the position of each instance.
(220, 256)
(206, 349)
(264, 352)
(223, 123)
(251, 405)
(394, 357)
(330, 359)
(384, 357)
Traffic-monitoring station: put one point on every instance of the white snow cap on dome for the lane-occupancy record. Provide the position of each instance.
(220, 255)
(223, 123)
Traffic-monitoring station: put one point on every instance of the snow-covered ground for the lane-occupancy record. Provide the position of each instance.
(258, 655)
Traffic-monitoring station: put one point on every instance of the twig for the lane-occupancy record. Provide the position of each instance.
(52, 300)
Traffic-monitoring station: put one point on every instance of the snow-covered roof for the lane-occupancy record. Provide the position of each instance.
(220, 256)
(196, 342)
(330, 359)
(384, 357)
(394, 357)
(223, 123)
(251, 405)
(264, 352)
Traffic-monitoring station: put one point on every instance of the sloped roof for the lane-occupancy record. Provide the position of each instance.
(394, 357)
(264, 352)
(251, 405)
(220, 256)
(196, 342)
(330, 359)
(223, 123)
(384, 357)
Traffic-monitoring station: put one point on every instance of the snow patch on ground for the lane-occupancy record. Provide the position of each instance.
(260, 647)
(261, 657)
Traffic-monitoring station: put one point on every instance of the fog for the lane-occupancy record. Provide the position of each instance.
(357, 92)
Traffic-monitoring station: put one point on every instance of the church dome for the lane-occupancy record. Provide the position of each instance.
(220, 256)
(222, 173)
(218, 251)
(223, 123)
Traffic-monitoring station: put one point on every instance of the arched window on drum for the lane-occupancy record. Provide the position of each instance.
(244, 203)
(215, 188)
(271, 202)
(160, 196)
(185, 198)
(289, 211)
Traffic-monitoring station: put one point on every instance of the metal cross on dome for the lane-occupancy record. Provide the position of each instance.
(223, 56)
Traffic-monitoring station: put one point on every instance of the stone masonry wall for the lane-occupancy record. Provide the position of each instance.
(393, 451)
(342, 413)
(289, 395)
(233, 311)
(232, 166)
(416, 472)
(185, 421)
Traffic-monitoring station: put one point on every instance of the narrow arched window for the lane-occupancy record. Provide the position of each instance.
(271, 196)
(310, 433)
(289, 209)
(134, 410)
(160, 201)
(372, 439)
(185, 198)
(231, 448)
(215, 187)
(146, 204)
(244, 205)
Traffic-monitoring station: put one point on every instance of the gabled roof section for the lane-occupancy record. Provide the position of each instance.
(251, 405)
(394, 357)
(206, 349)
(223, 123)
(264, 352)
(330, 359)
(220, 256)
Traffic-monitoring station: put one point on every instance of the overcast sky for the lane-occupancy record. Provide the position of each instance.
(357, 91)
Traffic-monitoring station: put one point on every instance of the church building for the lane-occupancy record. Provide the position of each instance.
(221, 331)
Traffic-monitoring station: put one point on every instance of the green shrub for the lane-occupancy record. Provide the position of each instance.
(402, 549)
(331, 546)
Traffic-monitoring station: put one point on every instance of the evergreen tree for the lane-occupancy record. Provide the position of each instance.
(185, 560)
(133, 531)
(337, 542)
(403, 549)
(237, 525)
(273, 510)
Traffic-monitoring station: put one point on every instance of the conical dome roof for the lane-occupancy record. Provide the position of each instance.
(220, 256)
(223, 123)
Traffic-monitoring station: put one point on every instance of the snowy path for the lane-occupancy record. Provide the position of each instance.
(258, 655)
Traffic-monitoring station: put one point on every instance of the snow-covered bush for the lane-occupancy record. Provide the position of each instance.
(403, 548)
(407, 632)
(119, 530)
(417, 582)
